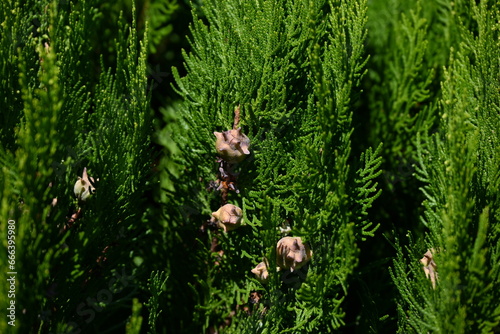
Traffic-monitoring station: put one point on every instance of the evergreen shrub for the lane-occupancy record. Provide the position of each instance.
(313, 167)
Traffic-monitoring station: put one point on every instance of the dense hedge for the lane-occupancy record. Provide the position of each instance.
(365, 130)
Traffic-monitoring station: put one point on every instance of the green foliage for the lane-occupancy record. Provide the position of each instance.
(400, 85)
(374, 138)
(293, 69)
(159, 15)
(66, 120)
(156, 286)
(135, 322)
(366, 191)
(459, 168)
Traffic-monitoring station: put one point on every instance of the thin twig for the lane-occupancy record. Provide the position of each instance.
(236, 123)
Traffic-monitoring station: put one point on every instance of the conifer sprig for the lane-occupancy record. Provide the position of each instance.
(452, 164)
(296, 106)
(66, 123)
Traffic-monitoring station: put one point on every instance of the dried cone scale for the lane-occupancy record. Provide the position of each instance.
(430, 267)
(228, 217)
(84, 187)
(292, 253)
(261, 272)
(232, 145)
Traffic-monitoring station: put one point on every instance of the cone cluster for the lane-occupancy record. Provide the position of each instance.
(292, 253)
(233, 147)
